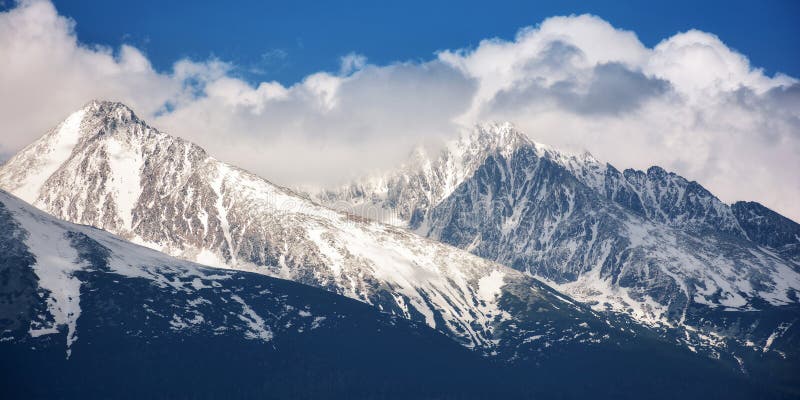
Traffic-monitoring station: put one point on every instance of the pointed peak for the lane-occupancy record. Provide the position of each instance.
(497, 136)
(110, 110)
(586, 155)
(507, 138)
(98, 104)
(657, 172)
(500, 131)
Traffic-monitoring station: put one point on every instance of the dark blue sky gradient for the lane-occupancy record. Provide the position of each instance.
(287, 40)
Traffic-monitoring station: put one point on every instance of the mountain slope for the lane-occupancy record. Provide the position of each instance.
(168, 194)
(650, 245)
(768, 228)
(137, 323)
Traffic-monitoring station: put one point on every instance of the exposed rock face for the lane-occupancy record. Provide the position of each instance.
(768, 228)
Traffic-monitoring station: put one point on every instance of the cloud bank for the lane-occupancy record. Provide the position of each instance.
(689, 104)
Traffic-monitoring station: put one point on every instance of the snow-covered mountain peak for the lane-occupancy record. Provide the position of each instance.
(425, 178)
(501, 137)
(101, 117)
(90, 166)
(108, 108)
(473, 143)
(505, 138)
(401, 197)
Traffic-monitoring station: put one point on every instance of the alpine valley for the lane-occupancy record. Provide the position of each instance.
(134, 263)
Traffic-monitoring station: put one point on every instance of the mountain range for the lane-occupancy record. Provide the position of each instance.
(658, 265)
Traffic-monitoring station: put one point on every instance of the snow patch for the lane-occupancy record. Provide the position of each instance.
(56, 264)
(50, 158)
(257, 328)
(125, 163)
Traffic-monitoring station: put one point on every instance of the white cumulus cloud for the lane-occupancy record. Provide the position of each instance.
(690, 104)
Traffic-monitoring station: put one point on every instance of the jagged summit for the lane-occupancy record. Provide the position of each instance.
(106, 106)
(106, 115)
(482, 138)
(505, 138)
(403, 196)
(498, 136)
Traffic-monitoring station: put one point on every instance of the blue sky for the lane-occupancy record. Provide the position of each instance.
(287, 40)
